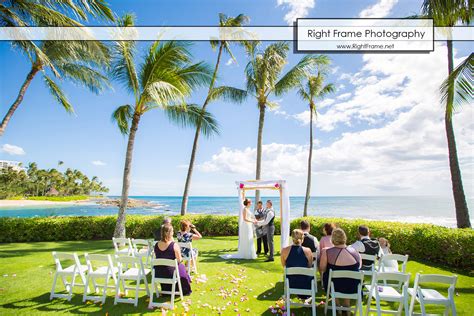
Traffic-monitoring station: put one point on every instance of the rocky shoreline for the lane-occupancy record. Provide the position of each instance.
(132, 203)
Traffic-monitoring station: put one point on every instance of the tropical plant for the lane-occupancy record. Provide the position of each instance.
(264, 79)
(314, 89)
(77, 61)
(34, 182)
(448, 13)
(213, 94)
(164, 80)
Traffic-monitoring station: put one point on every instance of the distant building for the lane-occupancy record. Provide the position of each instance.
(15, 165)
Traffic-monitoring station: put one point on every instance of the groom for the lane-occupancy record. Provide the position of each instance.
(268, 227)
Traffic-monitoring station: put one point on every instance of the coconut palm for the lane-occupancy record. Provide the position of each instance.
(230, 93)
(165, 78)
(448, 13)
(264, 79)
(314, 89)
(77, 61)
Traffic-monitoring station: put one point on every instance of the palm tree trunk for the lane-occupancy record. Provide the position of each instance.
(258, 172)
(19, 98)
(462, 212)
(310, 157)
(187, 185)
(120, 226)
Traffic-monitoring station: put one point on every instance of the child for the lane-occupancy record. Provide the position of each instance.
(389, 265)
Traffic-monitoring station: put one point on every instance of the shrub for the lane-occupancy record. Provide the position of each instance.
(436, 244)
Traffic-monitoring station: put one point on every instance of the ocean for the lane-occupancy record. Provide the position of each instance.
(414, 209)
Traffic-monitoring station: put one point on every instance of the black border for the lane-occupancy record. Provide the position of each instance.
(298, 51)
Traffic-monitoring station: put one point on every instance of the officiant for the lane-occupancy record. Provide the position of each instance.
(261, 237)
(268, 228)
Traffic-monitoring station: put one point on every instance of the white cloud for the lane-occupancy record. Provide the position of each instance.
(406, 153)
(98, 163)
(298, 9)
(379, 10)
(229, 62)
(344, 96)
(13, 150)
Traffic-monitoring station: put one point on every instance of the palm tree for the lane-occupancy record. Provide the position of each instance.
(312, 90)
(73, 60)
(448, 13)
(166, 77)
(263, 78)
(230, 93)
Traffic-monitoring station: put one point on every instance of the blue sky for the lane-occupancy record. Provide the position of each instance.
(381, 133)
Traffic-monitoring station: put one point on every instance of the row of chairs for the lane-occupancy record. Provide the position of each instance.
(133, 261)
(388, 283)
(143, 248)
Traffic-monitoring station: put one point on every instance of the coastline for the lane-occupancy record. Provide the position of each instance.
(22, 203)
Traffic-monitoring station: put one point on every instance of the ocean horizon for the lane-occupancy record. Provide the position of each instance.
(437, 210)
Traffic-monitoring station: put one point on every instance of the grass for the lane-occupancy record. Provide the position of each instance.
(26, 277)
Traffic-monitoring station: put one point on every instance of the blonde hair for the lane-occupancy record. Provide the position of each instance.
(166, 232)
(297, 236)
(338, 237)
(384, 241)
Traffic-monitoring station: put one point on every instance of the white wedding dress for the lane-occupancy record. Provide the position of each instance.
(246, 248)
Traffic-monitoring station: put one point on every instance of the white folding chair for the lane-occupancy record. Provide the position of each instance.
(331, 292)
(99, 267)
(432, 297)
(72, 271)
(372, 259)
(384, 261)
(311, 272)
(155, 281)
(388, 293)
(191, 258)
(142, 248)
(136, 273)
(123, 246)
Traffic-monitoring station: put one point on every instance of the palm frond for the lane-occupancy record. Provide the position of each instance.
(84, 76)
(227, 93)
(447, 13)
(123, 66)
(58, 94)
(190, 115)
(459, 83)
(122, 116)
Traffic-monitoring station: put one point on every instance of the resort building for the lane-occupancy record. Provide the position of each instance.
(15, 165)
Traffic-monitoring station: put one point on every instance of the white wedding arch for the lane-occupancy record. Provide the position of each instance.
(278, 185)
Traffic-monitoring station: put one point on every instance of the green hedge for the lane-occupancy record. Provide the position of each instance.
(436, 244)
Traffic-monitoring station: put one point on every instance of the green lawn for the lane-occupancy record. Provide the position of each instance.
(26, 273)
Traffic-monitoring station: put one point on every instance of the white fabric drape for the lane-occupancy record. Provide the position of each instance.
(285, 215)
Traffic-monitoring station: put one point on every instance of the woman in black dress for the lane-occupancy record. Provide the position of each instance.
(166, 248)
(340, 257)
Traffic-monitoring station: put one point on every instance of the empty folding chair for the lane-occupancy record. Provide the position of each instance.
(432, 297)
(191, 258)
(388, 293)
(123, 246)
(99, 267)
(142, 249)
(136, 273)
(331, 292)
(297, 291)
(155, 282)
(72, 271)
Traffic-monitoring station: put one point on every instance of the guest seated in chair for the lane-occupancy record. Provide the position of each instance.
(166, 248)
(297, 256)
(340, 257)
(368, 246)
(188, 233)
(309, 241)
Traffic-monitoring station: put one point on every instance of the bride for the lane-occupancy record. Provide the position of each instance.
(246, 248)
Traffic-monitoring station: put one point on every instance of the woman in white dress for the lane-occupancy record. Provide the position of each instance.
(246, 233)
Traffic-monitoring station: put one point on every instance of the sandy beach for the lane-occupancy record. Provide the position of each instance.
(20, 203)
